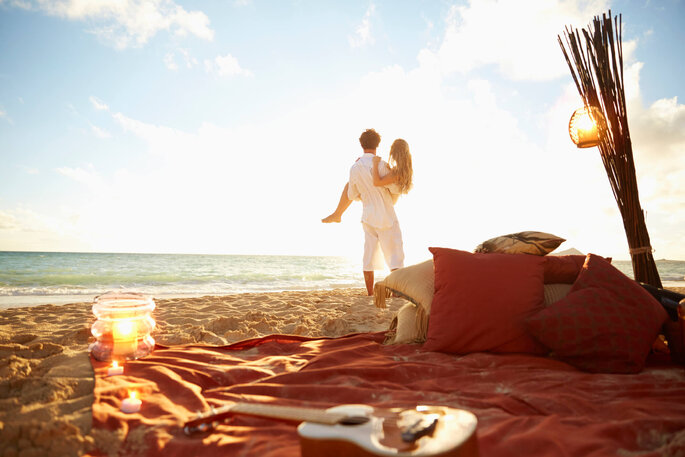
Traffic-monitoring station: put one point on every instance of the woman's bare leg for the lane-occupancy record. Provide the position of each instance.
(343, 204)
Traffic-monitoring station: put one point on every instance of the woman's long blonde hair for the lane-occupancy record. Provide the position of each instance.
(400, 161)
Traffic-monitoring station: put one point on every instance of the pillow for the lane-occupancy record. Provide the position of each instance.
(562, 269)
(403, 328)
(606, 324)
(481, 302)
(536, 243)
(414, 283)
(555, 292)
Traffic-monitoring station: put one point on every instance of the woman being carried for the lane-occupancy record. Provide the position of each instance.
(399, 180)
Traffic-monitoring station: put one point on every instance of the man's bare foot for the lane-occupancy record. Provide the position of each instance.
(332, 218)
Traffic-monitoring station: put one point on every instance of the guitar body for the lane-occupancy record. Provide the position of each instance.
(454, 434)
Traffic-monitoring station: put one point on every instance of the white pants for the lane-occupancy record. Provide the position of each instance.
(389, 241)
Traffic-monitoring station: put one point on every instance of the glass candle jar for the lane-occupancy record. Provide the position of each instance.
(123, 326)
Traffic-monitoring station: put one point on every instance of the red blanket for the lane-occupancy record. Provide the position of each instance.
(536, 404)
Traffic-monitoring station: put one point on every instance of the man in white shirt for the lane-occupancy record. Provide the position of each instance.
(381, 227)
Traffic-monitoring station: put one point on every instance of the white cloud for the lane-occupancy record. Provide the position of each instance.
(5, 116)
(8, 221)
(99, 132)
(30, 170)
(518, 37)
(170, 62)
(89, 177)
(127, 23)
(170, 59)
(226, 66)
(98, 104)
(362, 33)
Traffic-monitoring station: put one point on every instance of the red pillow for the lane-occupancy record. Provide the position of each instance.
(481, 302)
(562, 269)
(606, 324)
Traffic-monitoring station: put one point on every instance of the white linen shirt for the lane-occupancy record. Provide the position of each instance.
(378, 210)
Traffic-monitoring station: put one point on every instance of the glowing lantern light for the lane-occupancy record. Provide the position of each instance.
(585, 125)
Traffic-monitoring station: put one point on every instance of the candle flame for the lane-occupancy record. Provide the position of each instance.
(114, 364)
(132, 394)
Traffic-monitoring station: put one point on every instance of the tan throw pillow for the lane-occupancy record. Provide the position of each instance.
(403, 328)
(555, 292)
(536, 243)
(414, 283)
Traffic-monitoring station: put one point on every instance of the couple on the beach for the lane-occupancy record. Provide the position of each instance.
(378, 186)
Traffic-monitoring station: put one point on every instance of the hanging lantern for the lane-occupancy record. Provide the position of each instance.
(584, 126)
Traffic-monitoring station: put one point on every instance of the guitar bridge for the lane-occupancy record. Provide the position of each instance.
(424, 425)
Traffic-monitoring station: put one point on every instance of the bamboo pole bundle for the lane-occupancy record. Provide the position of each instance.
(598, 74)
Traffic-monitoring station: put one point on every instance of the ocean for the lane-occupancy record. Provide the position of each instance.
(34, 278)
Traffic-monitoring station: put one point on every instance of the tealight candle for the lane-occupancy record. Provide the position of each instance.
(125, 337)
(131, 404)
(115, 369)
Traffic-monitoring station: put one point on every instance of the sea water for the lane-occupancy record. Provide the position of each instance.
(33, 278)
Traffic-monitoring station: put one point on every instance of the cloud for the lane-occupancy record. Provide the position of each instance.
(8, 221)
(100, 133)
(98, 104)
(126, 23)
(170, 59)
(5, 116)
(170, 62)
(226, 66)
(362, 33)
(518, 38)
(30, 170)
(90, 178)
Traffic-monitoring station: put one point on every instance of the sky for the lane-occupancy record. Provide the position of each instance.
(229, 126)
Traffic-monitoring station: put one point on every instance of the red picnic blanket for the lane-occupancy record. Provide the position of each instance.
(522, 402)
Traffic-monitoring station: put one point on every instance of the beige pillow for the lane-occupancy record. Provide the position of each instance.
(536, 243)
(403, 328)
(555, 292)
(415, 283)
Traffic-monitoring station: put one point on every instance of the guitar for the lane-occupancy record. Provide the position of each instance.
(363, 431)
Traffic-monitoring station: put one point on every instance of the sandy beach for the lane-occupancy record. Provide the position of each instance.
(46, 379)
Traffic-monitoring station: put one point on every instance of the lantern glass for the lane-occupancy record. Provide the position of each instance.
(123, 326)
(585, 125)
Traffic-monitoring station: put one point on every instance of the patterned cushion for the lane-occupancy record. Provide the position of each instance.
(606, 324)
(536, 243)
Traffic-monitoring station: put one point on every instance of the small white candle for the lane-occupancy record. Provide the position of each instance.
(124, 338)
(115, 369)
(131, 404)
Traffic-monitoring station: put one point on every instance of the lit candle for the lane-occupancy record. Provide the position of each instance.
(131, 404)
(124, 338)
(115, 369)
